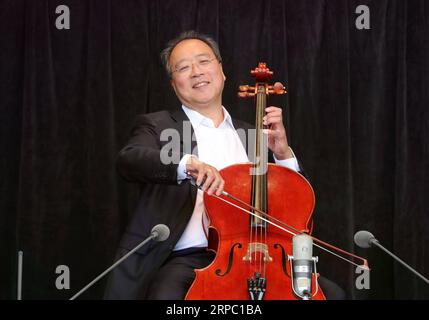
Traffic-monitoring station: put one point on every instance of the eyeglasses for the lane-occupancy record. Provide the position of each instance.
(186, 66)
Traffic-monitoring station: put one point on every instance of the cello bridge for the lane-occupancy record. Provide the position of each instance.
(257, 247)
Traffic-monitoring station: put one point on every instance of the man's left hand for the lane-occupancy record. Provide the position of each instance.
(277, 140)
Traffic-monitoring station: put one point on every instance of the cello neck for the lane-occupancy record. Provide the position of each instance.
(260, 164)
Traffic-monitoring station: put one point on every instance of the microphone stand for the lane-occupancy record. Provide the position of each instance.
(376, 243)
(151, 237)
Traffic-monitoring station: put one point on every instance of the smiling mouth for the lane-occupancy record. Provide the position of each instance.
(200, 84)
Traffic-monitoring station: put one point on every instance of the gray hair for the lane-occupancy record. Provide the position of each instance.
(166, 53)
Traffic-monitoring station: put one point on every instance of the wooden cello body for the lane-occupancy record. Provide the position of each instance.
(251, 260)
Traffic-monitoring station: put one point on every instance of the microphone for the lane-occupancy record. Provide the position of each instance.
(301, 263)
(366, 239)
(159, 233)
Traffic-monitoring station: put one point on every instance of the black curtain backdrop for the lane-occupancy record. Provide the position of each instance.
(356, 115)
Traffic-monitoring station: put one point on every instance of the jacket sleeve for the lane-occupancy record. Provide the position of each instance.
(141, 159)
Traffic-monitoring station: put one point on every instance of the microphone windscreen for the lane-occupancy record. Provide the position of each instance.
(364, 239)
(161, 232)
(302, 247)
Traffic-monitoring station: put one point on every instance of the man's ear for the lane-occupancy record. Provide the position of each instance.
(223, 74)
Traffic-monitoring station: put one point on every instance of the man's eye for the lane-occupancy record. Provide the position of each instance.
(183, 68)
(205, 61)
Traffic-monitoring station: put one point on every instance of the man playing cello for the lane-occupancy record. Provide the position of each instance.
(166, 270)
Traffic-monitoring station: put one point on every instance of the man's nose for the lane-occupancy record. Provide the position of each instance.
(196, 70)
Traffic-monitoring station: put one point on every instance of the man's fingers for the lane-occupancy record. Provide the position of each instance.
(208, 178)
(200, 178)
(273, 110)
(272, 133)
(220, 188)
(207, 183)
(272, 120)
(217, 182)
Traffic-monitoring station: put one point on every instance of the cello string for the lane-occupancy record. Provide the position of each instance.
(260, 110)
(251, 222)
(263, 186)
(257, 182)
(263, 138)
(265, 205)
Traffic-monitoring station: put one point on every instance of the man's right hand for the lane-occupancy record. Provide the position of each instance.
(206, 174)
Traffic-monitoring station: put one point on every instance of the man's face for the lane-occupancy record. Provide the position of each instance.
(197, 76)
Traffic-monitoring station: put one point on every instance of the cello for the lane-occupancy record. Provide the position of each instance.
(251, 255)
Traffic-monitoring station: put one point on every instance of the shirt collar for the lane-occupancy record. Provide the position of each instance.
(197, 119)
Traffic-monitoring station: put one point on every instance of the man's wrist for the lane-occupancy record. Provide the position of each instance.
(190, 163)
(291, 163)
(287, 154)
(182, 167)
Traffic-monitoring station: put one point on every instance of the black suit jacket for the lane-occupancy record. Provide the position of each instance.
(162, 199)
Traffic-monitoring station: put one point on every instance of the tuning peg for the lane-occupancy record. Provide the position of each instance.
(246, 91)
(277, 88)
(246, 94)
(277, 91)
(246, 88)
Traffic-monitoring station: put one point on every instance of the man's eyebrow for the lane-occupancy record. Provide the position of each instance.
(197, 56)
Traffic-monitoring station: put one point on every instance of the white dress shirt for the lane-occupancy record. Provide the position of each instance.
(219, 147)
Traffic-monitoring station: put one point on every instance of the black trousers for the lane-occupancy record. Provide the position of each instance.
(175, 277)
